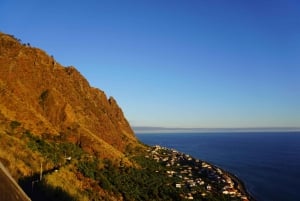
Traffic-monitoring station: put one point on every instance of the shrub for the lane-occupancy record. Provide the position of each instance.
(15, 124)
(88, 168)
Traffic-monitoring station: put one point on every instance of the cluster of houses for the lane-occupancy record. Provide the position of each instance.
(195, 177)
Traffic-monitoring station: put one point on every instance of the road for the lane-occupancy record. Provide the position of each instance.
(9, 189)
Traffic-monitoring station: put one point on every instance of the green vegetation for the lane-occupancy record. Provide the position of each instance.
(131, 183)
(52, 150)
(147, 180)
(14, 124)
(143, 183)
(88, 168)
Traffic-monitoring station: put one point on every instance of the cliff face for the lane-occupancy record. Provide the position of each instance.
(55, 101)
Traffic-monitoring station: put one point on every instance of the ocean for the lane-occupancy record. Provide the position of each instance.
(268, 163)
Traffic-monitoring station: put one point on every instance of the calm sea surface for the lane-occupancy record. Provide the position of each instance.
(268, 163)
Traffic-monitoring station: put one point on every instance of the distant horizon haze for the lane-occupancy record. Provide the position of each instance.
(145, 129)
(189, 64)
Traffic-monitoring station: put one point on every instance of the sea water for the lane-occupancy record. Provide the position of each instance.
(268, 163)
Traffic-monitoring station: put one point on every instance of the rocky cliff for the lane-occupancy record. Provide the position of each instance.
(49, 100)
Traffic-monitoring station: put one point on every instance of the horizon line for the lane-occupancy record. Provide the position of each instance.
(154, 129)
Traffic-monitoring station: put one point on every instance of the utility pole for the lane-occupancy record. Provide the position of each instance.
(41, 173)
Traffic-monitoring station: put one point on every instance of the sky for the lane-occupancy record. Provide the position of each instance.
(176, 63)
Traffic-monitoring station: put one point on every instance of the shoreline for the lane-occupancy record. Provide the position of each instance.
(241, 185)
(199, 177)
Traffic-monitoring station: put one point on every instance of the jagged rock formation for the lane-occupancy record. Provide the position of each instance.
(55, 101)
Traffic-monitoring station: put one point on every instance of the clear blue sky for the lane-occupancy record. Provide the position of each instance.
(176, 63)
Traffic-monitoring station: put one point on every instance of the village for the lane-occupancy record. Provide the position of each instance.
(195, 178)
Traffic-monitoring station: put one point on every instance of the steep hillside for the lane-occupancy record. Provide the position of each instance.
(52, 119)
(55, 104)
(49, 99)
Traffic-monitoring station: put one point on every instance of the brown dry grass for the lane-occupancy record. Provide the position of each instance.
(66, 179)
(22, 161)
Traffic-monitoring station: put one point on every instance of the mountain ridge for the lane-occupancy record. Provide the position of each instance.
(55, 101)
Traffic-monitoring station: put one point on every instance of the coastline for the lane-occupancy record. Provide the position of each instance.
(200, 177)
(255, 158)
(241, 185)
